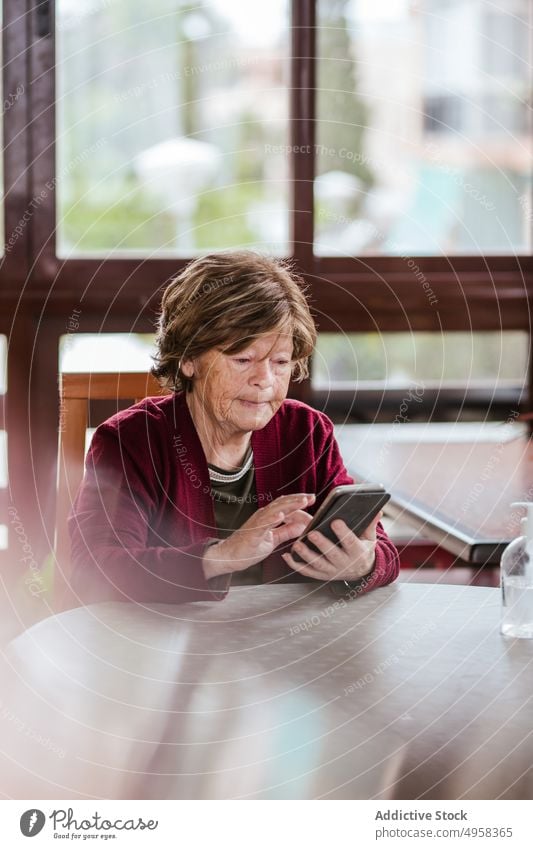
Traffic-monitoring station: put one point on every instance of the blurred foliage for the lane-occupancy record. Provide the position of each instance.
(221, 216)
(404, 358)
(220, 219)
(128, 222)
(343, 114)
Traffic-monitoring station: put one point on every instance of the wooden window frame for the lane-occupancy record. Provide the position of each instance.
(473, 292)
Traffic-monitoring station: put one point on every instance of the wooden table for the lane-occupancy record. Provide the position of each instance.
(455, 483)
(409, 692)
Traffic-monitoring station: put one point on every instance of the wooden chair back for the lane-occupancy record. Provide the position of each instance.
(76, 391)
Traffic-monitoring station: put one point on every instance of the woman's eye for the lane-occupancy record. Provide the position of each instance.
(241, 361)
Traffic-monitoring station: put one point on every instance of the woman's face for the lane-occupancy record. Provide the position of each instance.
(241, 392)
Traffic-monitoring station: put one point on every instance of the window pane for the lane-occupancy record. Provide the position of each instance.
(3, 364)
(105, 352)
(423, 144)
(3, 433)
(165, 111)
(101, 352)
(6, 103)
(3, 482)
(401, 359)
(3, 459)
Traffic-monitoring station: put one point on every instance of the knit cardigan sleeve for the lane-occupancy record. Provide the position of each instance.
(109, 529)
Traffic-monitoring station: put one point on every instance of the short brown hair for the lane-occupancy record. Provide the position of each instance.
(224, 300)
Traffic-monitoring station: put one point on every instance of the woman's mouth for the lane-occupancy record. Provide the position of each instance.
(255, 404)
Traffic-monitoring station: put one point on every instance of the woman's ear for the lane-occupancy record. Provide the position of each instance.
(187, 368)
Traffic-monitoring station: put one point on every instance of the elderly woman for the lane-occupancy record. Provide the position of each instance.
(190, 492)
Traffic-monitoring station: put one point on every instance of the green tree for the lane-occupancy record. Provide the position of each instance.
(341, 112)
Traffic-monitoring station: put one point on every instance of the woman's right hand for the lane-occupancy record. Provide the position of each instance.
(270, 526)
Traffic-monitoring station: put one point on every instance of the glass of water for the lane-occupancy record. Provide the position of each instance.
(517, 590)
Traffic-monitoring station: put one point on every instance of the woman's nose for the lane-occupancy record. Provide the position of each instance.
(262, 375)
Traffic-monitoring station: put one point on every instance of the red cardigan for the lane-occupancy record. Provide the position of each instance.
(144, 513)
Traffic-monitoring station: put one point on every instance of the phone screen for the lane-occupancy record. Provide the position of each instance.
(357, 505)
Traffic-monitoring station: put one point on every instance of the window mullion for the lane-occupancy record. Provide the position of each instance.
(302, 138)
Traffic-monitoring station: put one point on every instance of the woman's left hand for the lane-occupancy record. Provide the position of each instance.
(352, 558)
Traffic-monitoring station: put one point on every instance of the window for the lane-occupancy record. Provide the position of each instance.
(442, 114)
(167, 113)
(504, 46)
(422, 136)
(104, 352)
(446, 376)
(3, 436)
(101, 352)
(3, 364)
(399, 360)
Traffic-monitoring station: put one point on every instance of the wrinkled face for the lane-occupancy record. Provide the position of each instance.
(241, 392)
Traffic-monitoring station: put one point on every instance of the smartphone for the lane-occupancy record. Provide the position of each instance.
(357, 504)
